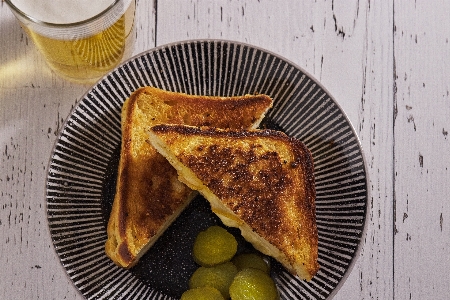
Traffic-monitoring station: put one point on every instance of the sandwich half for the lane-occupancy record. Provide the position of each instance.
(148, 194)
(260, 181)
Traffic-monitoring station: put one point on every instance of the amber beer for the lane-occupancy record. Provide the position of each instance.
(80, 39)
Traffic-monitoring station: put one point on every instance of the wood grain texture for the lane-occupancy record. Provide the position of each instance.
(29, 123)
(385, 62)
(33, 106)
(422, 150)
(370, 84)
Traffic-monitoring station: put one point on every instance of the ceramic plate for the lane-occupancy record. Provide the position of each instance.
(83, 167)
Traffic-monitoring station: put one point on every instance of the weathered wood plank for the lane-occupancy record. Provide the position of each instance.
(29, 121)
(422, 150)
(33, 105)
(372, 68)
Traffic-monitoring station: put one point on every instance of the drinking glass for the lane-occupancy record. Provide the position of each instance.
(81, 40)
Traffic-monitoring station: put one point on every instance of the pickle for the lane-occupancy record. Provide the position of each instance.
(250, 260)
(219, 277)
(214, 246)
(253, 284)
(202, 293)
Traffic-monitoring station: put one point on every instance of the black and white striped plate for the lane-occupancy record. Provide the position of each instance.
(83, 164)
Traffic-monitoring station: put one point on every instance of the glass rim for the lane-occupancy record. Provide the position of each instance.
(61, 25)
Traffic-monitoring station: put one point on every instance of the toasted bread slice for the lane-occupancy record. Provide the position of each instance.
(148, 194)
(260, 181)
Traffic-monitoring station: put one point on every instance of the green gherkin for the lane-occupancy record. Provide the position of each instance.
(203, 293)
(219, 277)
(253, 284)
(214, 246)
(250, 260)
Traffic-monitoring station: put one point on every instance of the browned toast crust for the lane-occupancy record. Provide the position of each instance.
(264, 178)
(148, 194)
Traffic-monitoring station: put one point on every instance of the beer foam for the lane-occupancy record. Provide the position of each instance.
(62, 11)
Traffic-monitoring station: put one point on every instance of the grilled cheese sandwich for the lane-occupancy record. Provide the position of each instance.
(148, 194)
(260, 181)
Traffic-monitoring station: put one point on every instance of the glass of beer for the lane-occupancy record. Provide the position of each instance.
(81, 40)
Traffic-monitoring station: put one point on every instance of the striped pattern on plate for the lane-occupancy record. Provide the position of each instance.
(82, 170)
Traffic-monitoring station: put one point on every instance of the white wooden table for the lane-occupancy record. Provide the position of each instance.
(387, 63)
